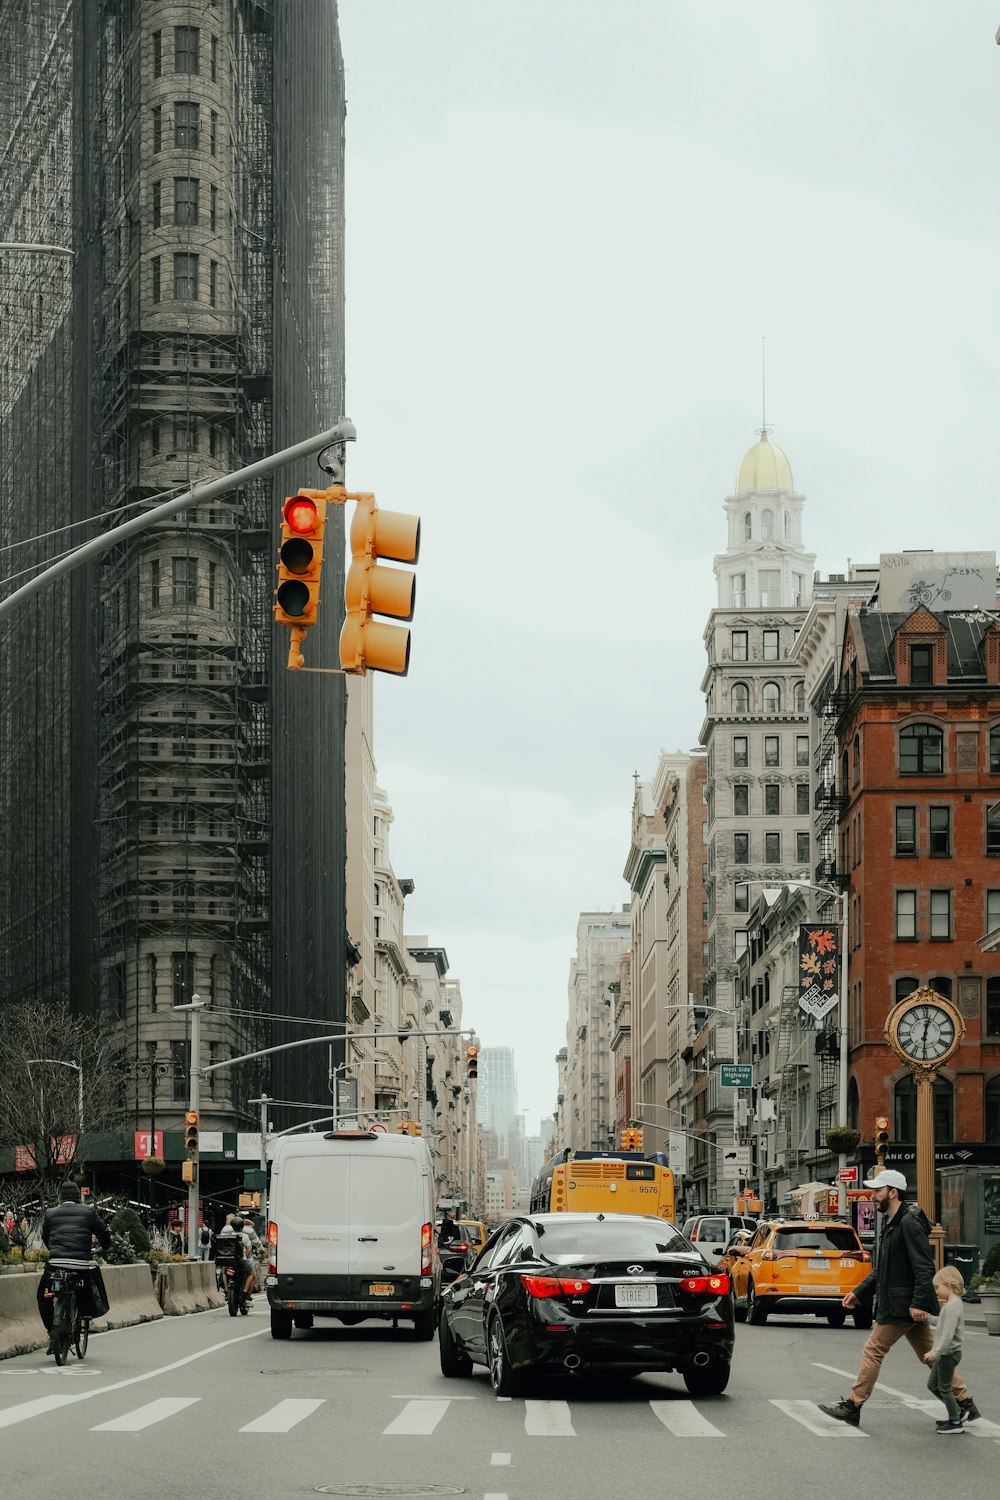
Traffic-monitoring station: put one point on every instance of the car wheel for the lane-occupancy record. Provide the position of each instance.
(504, 1380)
(281, 1324)
(836, 1319)
(862, 1319)
(423, 1326)
(707, 1380)
(756, 1314)
(454, 1361)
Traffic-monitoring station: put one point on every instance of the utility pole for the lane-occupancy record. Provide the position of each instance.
(195, 1005)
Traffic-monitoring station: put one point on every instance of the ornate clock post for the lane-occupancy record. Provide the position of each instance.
(925, 1031)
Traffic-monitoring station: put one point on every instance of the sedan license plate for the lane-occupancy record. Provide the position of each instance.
(819, 1265)
(642, 1295)
(381, 1288)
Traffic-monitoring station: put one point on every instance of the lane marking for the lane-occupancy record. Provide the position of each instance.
(809, 1414)
(147, 1416)
(500, 1458)
(417, 1419)
(29, 1409)
(683, 1419)
(284, 1416)
(548, 1419)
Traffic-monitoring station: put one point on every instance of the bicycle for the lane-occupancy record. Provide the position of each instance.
(70, 1327)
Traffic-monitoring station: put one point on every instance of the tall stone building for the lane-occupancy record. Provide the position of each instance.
(190, 835)
(586, 1111)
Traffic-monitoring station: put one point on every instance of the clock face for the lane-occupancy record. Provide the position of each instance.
(926, 1032)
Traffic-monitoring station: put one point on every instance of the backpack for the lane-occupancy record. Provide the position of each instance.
(206, 1235)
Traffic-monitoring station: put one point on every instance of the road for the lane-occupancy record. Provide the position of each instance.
(219, 1407)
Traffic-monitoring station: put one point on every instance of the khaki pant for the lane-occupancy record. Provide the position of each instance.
(877, 1346)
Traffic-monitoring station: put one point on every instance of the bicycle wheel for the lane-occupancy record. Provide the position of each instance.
(82, 1338)
(63, 1319)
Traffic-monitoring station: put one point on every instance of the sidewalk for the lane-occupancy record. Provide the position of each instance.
(974, 1315)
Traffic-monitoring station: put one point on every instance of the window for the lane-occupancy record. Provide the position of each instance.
(186, 278)
(185, 200)
(921, 665)
(995, 752)
(771, 645)
(801, 798)
(991, 1100)
(944, 1110)
(796, 587)
(186, 127)
(185, 578)
(157, 129)
(993, 1015)
(921, 750)
(154, 583)
(905, 987)
(151, 979)
(941, 984)
(182, 970)
(993, 828)
(213, 139)
(992, 910)
(741, 896)
(906, 914)
(770, 588)
(215, 59)
(771, 698)
(155, 266)
(741, 750)
(178, 1066)
(213, 212)
(802, 848)
(799, 697)
(767, 525)
(156, 205)
(741, 698)
(772, 848)
(772, 750)
(213, 283)
(772, 800)
(940, 832)
(801, 749)
(739, 582)
(157, 53)
(747, 526)
(212, 573)
(185, 49)
(739, 645)
(185, 435)
(741, 848)
(906, 831)
(940, 904)
(857, 759)
(741, 801)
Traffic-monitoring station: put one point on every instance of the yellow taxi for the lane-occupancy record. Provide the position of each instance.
(797, 1266)
(473, 1231)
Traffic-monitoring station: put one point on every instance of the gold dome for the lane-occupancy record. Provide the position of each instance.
(764, 467)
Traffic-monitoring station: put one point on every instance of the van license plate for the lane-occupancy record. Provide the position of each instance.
(819, 1265)
(635, 1296)
(381, 1288)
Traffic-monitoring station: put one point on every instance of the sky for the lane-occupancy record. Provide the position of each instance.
(570, 225)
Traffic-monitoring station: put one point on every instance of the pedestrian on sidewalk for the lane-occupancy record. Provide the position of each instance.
(946, 1351)
(901, 1286)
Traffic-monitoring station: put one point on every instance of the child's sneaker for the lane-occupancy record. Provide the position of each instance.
(946, 1429)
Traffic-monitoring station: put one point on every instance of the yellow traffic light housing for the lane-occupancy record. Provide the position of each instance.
(191, 1132)
(416, 1128)
(472, 1062)
(370, 589)
(300, 564)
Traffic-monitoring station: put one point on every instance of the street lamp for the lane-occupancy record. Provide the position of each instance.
(841, 898)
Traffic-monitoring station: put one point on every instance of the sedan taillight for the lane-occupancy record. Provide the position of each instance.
(705, 1286)
(554, 1286)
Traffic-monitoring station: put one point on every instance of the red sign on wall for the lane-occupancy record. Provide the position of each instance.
(148, 1144)
(849, 1174)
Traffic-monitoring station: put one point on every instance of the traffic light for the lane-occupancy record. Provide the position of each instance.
(472, 1062)
(300, 562)
(416, 1128)
(881, 1136)
(369, 589)
(189, 1171)
(632, 1139)
(191, 1132)
(402, 1127)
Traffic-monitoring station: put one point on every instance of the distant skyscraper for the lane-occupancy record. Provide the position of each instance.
(496, 1099)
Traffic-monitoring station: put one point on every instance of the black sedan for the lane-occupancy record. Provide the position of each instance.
(590, 1293)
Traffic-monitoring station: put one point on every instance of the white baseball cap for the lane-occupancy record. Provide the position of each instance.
(887, 1179)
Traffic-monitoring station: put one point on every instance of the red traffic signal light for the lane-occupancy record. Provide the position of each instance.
(370, 589)
(300, 564)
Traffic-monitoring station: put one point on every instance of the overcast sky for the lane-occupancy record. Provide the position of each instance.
(569, 225)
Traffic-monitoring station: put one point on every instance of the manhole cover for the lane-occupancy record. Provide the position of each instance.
(402, 1491)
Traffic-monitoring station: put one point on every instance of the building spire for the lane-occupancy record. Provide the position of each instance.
(763, 429)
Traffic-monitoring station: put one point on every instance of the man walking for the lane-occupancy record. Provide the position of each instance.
(903, 1291)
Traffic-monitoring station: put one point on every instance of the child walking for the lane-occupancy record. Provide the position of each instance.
(946, 1351)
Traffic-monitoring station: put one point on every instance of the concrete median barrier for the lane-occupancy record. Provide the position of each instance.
(187, 1287)
(130, 1292)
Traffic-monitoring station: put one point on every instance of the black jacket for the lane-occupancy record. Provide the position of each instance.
(67, 1231)
(904, 1274)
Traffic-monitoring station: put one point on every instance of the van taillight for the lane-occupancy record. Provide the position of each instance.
(272, 1248)
(426, 1249)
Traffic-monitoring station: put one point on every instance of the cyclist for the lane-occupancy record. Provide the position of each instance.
(68, 1233)
(235, 1226)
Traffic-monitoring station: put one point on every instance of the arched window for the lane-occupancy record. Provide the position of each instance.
(853, 1104)
(857, 759)
(921, 750)
(991, 1099)
(941, 984)
(747, 526)
(799, 697)
(771, 698)
(741, 698)
(905, 1111)
(905, 987)
(995, 751)
(767, 525)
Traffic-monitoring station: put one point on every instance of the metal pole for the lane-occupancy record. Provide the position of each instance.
(194, 1101)
(264, 1101)
(842, 1080)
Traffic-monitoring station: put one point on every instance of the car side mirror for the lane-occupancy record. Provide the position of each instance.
(453, 1264)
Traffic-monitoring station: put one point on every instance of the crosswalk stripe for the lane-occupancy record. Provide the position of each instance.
(417, 1419)
(146, 1416)
(809, 1414)
(683, 1419)
(548, 1419)
(284, 1416)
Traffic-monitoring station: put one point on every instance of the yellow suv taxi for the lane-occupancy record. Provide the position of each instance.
(797, 1266)
(473, 1231)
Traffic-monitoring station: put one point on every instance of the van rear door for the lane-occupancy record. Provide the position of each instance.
(315, 1237)
(386, 1206)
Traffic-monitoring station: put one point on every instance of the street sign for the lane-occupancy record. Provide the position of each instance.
(743, 1158)
(736, 1075)
(849, 1174)
(729, 1167)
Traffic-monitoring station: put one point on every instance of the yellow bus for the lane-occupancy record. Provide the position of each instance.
(623, 1182)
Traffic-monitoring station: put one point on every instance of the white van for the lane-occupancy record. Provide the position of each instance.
(350, 1231)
